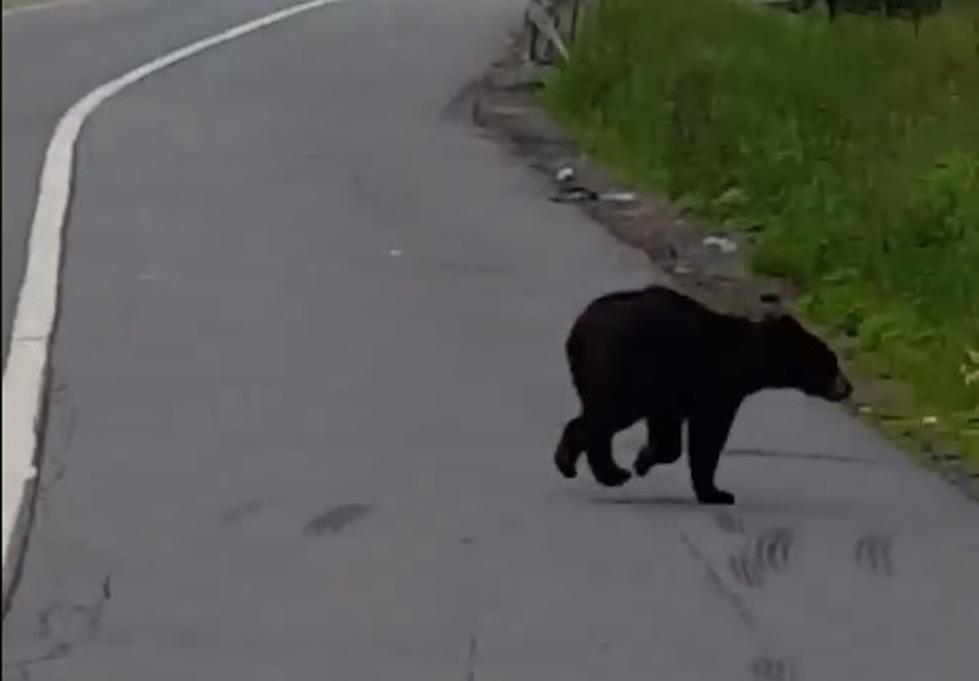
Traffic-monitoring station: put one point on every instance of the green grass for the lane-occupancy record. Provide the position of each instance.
(849, 150)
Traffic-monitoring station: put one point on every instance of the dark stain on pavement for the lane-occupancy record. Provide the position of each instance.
(471, 658)
(872, 552)
(766, 554)
(728, 522)
(239, 513)
(665, 502)
(772, 669)
(335, 519)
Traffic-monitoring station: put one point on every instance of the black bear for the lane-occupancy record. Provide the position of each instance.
(658, 355)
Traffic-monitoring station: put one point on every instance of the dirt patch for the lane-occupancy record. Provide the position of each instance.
(707, 264)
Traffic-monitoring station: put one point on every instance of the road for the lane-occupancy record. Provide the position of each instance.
(52, 57)
(308, 376)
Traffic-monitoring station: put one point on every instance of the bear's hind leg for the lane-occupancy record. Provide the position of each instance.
(570, 447)
(709, 429)
(664, 443)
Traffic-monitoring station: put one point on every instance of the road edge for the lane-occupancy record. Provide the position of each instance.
(28, 362)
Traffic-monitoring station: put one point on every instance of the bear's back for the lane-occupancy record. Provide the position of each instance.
(653, 341)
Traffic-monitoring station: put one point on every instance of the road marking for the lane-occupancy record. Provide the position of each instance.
(28, 361)
(36, 6)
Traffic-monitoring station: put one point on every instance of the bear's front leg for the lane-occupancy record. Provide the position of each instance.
(603, 466)
(709, 429)
(664, 443)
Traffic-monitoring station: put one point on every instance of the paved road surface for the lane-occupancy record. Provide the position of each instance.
(308, 377)
(52, 57)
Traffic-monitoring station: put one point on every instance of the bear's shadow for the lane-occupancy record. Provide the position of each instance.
(677, 502)
(755, 507)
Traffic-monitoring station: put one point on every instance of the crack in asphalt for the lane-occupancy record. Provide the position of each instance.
(713, 576)
(800, 456)
(69, 625)
(471, 659)
(771, 546)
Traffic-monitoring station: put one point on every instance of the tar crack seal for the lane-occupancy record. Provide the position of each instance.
(335, 519)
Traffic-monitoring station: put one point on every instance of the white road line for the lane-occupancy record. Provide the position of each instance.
(30, 343)
(37, 6)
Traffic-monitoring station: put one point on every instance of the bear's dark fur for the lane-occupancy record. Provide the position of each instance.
(660, 356)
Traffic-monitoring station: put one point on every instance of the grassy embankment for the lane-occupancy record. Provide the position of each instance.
(850, 151)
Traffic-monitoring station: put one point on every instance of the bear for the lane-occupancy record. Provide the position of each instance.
(657, 355)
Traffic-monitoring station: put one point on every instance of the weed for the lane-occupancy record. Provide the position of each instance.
(851, 148)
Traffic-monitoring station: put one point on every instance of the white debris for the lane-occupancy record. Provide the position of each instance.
(929, 420)
(682, 269)
(564, 174)
(970, 371)
(619, 197)
(395, 252)
(724, 244)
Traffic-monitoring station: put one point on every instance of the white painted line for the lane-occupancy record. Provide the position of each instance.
(37, 6)
(28, 358)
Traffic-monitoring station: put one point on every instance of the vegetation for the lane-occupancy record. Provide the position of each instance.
(849, 149)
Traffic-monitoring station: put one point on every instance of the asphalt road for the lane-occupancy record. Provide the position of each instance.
(52, 57)
(308, 377)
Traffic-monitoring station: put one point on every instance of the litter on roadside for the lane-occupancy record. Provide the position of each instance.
(564, 174)
(618, 197)
(575, 194)
(724, 244)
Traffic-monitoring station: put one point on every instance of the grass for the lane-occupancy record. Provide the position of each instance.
(850, 151)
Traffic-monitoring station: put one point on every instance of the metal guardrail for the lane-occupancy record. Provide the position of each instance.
(551, 26)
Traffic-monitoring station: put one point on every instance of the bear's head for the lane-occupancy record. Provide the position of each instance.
(800, 360)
